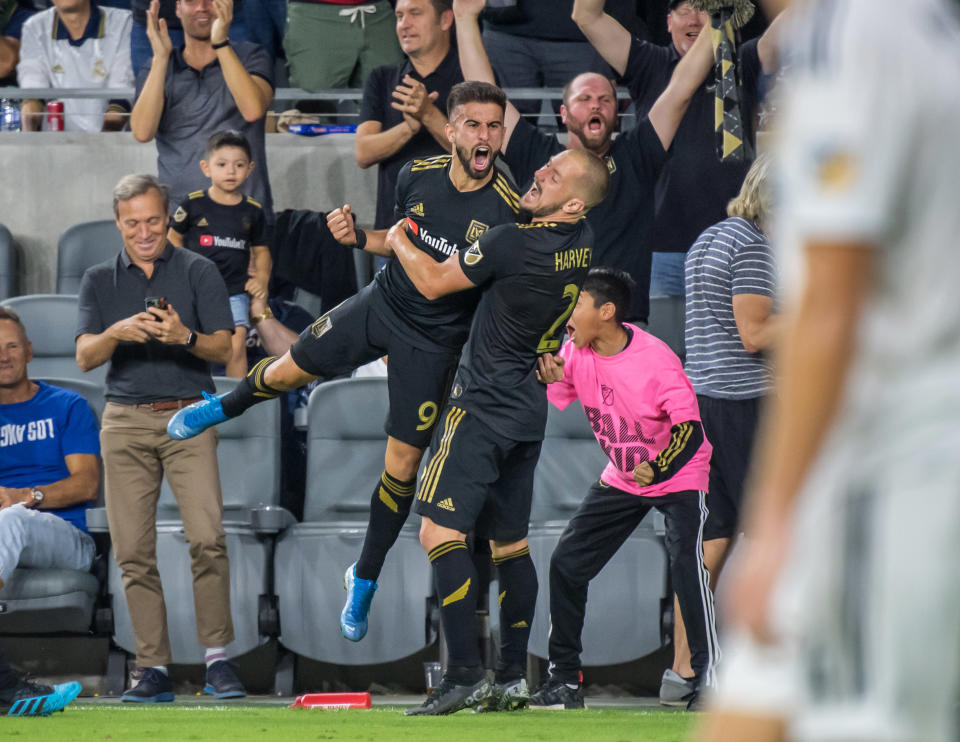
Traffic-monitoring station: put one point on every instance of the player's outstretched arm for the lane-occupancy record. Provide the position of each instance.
(341, 224)
(474, 63)
(669, 108)
(431, 278)
(604, 32)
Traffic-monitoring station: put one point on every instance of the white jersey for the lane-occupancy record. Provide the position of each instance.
(101, 59)
(869, 154)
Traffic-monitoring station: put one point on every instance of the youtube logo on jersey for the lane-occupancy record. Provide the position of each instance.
(206, 240)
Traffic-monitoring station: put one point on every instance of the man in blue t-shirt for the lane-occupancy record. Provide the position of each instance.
(49, 464)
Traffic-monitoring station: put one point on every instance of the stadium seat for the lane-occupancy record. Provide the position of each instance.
(249, 459)
(81, 246)
(624, 612)
(667, 321)
(345, 447)
(46, 601)
(51, 322)
(9, 264)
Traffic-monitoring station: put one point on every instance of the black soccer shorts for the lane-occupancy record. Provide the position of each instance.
(352, 334)
(477, 479)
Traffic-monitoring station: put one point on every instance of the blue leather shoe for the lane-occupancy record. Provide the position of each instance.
(353, 617)
(222, 681)
(193, 420)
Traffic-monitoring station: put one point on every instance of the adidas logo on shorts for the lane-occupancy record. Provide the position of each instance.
(447, 505)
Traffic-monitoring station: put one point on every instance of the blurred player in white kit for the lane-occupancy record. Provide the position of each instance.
(846, 603)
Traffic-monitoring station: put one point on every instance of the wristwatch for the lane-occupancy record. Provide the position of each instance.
(191, 340)
(266, 314)
(37, 497)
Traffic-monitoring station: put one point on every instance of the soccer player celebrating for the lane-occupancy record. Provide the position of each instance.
(627, 380)
(480, 477)
(449, 201)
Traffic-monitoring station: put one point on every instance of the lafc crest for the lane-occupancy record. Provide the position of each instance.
(473, 255)
(475, 230)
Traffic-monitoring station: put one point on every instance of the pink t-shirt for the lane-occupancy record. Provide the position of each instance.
(632, 399)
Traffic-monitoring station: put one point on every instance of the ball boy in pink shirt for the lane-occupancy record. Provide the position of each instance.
(644, 414)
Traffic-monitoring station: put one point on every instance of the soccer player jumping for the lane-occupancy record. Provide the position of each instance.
(449, 201)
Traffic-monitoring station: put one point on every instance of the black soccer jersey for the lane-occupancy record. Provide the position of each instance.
(441, 220)
(622, 220)
(222, 233)
(531, 276)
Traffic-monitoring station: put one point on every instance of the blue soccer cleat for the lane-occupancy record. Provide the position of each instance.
(196, 418)
(353, 617)
(31, 699)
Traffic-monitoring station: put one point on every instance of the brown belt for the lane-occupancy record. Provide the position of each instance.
(170, 404)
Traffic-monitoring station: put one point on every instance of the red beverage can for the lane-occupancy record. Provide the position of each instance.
(55, 115)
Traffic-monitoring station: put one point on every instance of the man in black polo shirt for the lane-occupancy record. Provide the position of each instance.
(159, 315)
(635, 159)
(695, 186)
(480, 476)
(205, 86)
(404, 105)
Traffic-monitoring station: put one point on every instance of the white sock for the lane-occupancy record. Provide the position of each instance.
(214, 654)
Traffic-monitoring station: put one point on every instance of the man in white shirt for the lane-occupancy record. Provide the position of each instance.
(77, 44)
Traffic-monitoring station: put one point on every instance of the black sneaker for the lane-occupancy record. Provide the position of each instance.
(154, 687)
(27, 698)
(222, 681)
(555, 695)
(448, 698)
(697, 701)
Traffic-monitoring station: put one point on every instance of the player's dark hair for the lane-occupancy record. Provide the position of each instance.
(229, 138)
(10, 315)
(474, 91)
(606, 284)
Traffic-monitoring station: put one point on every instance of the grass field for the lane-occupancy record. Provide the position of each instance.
(87, 723)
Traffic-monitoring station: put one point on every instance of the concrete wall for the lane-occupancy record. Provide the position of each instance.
(51, 181)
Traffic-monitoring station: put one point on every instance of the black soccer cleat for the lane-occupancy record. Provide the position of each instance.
(555, 695)
(448, 698)
(512, 695)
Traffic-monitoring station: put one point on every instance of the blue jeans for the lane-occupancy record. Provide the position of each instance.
(33, 538)
(667, 274)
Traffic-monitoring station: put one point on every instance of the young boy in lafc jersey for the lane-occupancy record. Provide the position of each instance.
(224, 225)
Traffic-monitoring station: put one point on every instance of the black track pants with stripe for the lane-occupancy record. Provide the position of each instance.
(601, 525)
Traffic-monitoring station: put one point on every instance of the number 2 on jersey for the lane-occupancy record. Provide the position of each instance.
(548, 343)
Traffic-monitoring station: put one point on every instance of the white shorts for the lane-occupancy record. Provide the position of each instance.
(867, 609)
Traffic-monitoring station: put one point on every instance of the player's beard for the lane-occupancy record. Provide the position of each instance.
(598, 142)
(466, 160)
